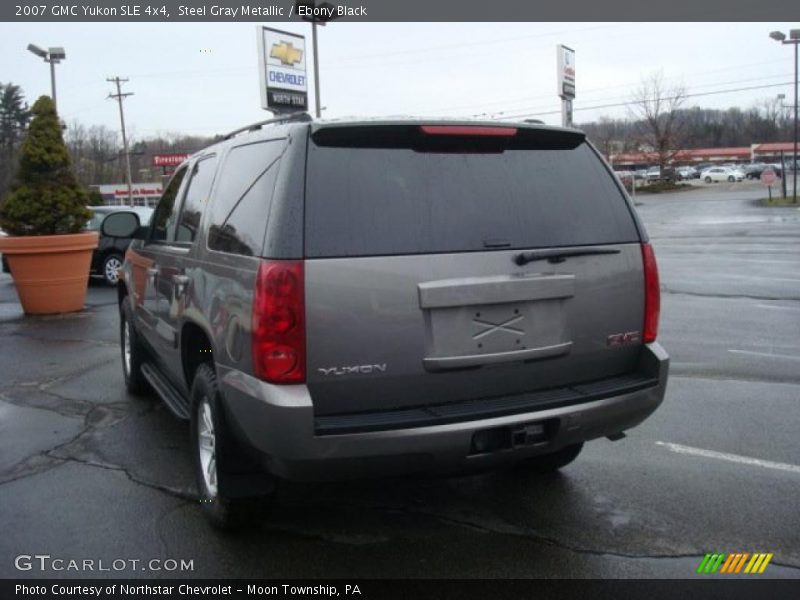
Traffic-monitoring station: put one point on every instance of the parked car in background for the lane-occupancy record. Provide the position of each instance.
(754, 170)
(659, 174)
(110, 252)
(626, 177)
(718, 174)
(682, 173)
(640, 174)
(703, 167)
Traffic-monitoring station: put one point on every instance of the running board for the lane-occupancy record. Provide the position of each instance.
(171, 396)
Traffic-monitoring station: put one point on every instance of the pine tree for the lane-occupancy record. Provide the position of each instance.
(14, 116)
(45, 198)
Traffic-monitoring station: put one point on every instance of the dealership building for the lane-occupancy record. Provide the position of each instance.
(768, 153)
(144, 194)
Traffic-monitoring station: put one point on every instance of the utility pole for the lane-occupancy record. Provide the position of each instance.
(119, 96)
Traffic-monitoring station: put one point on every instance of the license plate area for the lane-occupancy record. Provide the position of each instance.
(473, 323)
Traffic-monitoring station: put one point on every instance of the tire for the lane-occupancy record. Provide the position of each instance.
(221, 468)
(133, 352)
(111, 264)
(708, 179)
(550, 463)
(731, 178)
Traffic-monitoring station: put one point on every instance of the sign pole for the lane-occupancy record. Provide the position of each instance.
(316, 68)
(565, 64)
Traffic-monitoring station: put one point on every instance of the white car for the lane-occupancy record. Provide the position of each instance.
(715, 174)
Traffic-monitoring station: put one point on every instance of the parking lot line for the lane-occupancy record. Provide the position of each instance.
(769, 354)
(778, 307)
(734, 458)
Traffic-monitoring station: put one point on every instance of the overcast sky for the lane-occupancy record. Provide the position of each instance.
(203, 78)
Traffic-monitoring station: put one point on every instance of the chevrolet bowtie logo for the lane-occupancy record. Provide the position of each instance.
(286, 53)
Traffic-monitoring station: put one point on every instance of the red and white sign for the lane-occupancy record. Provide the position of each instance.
(168, 160)
(768, 176)
(138, 190)
(566, 71)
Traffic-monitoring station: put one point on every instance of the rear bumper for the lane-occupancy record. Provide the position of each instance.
(278, 422)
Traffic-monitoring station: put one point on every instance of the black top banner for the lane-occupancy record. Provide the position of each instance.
(397, 11)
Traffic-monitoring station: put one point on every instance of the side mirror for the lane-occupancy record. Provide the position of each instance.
(121, 225)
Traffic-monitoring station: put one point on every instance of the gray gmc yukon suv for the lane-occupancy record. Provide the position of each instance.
(338, 299)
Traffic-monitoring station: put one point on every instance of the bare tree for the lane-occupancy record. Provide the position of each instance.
(656, 106)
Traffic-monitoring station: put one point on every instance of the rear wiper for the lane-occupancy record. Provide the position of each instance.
(557, 255)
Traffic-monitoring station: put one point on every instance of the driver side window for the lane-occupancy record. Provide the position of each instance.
(163, 224)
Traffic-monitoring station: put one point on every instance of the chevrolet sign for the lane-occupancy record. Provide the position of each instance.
(282, 70)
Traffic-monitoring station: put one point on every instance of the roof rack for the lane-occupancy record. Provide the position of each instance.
(302, 116)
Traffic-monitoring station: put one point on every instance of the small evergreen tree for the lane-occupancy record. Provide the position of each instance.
(95, 198)
(45, 198)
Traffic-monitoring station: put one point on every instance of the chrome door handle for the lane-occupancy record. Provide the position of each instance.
(151, 274)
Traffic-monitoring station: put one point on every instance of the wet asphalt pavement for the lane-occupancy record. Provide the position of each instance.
(87, 472)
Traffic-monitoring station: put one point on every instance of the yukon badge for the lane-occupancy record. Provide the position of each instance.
(354, 370)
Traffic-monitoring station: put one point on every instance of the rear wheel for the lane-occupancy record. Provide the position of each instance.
(220, 466)
(111, 266)
(549, 463)
(133, 352)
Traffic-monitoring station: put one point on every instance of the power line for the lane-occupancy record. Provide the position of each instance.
(623, 99)
(119, 96)
(741, 89)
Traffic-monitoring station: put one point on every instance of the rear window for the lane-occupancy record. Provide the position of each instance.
(422, 199)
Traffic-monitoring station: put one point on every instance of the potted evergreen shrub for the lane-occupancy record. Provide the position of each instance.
(44, 214)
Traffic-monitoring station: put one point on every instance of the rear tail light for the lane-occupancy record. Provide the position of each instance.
(652, 294)
(279, 331)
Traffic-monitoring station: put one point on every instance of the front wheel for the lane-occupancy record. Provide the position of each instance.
(731, 178)
(708, 179)
(133, 352)
(219, 463)
(111, 267)
(549, 463)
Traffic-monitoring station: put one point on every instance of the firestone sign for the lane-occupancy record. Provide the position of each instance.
(566, 71)
(168, 160)
(282, 70)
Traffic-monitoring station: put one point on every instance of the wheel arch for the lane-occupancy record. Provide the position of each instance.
(196, 349)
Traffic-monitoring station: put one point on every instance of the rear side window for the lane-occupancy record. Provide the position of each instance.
(196, 199)
(164, 219)
(243, 197)
(366, 201)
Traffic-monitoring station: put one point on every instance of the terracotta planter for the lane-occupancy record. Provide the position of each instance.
(51, 272)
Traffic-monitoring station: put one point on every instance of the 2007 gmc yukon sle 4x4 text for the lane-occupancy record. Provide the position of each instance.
(338, 299)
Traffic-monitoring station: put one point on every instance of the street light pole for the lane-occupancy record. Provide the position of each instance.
(796, 42)
(794, 39)
(52, 56)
